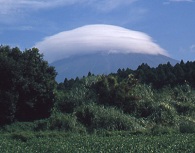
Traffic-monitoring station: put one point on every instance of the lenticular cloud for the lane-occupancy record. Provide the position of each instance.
(97, 38)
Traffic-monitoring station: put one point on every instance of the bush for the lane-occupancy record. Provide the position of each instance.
(22, 136)
(41, 125)
(186, 108)
(60, 122)
(159, 130)
(99, 117)
(68, 100)
(141, 102)
(165, 114)
(187, 125)
(18, 127)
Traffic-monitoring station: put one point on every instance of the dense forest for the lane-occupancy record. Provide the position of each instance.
(145, 100)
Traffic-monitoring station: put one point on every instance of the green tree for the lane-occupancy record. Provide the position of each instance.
(26, 85)
(35, 86)
(8, 93)
(179, 73)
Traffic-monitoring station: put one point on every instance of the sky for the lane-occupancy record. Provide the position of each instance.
(169, 24)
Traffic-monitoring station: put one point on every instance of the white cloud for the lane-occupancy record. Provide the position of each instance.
(12, 11)
(15, 6)
(181, 0)
(170, 1)
(97, 38)
(192, 48)
(109, 5)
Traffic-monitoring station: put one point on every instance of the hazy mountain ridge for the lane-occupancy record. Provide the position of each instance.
(103, 63)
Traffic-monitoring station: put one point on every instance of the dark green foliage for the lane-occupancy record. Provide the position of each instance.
(92, 100)
(163, 75)
(99, 117)
(26, 85)
(78, 93)
(187, 125)
(18, 127)
(60, 122)
(85, 116)
(166, 74)
(114, 93)
(8, 103)
(185, 108)
(105, 89)
(127, 95)
(165, 114)
(22, 136)
(8, 93)
(112, 143)
(148, 100)
(160, 130)
(35, 87)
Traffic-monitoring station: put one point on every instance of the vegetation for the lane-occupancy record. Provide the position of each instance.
(126, 104)
(109, 143)
(26, 85)
(118, 112)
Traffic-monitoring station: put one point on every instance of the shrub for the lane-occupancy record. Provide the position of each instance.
(99, 117)
(41, 125)
(68, 100)
(165, 114)
(187, 125)
(159, 130)
(61, 122)
(22, 136)
(187, 108)
(18, 127)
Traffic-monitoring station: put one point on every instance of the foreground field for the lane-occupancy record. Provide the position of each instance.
(53, 142)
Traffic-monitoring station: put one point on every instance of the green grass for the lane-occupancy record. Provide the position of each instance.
(60, 142)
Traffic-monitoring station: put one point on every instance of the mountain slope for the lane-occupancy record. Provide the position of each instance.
(100, 63)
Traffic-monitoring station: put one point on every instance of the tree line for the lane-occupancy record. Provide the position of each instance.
(157, 77)
(163, 75)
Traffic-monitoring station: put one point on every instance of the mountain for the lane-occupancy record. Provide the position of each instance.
(104, 63)
(100, 49)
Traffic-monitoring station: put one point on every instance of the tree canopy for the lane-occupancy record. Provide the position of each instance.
(26, 85)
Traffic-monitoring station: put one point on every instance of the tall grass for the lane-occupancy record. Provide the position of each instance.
(109, 118)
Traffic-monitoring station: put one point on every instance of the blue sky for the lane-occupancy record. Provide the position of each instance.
(170, 23)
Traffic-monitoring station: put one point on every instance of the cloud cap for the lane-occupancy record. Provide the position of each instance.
(97, 38)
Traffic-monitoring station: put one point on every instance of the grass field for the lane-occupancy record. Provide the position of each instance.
(59, 142)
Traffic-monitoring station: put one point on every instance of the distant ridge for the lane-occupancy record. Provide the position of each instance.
(99, 63)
